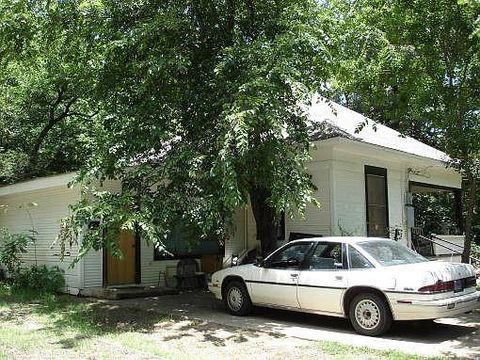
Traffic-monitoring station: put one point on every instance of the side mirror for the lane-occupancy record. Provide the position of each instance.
(259, 261)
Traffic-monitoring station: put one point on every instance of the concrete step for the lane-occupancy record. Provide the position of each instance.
(127, 292)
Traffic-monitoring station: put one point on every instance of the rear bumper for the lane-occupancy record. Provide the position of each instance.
(434, 309)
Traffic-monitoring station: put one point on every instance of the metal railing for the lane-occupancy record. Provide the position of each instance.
(436, 240)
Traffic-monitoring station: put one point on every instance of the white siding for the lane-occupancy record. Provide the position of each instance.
(237, 242)
(150, 269)
(316, 220)
(45, 218)
(92, 265)
(349, 214)
(397, 187)
(349, 199)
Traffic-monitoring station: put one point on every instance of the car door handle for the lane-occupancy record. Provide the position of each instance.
(339, 278)
(294, 275)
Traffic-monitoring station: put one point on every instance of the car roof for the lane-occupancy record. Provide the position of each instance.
(342, 239)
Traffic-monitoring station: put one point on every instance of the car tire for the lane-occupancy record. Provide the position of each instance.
(370, 314)
(236, 299)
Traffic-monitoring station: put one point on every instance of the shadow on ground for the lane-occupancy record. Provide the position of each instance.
(459, 336)
(196, 315)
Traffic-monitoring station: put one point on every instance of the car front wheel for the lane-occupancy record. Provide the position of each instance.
(236, 299)
(370, 314)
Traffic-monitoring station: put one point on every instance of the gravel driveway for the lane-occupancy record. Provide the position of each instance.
(455, 337)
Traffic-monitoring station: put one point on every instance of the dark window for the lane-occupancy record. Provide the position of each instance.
(291, 256)
(326, 256)
(376, 193)
(181, 244)
(357, 260)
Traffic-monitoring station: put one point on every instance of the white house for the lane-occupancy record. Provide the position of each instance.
(364, 183)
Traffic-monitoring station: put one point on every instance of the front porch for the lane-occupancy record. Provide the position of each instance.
(436, 215)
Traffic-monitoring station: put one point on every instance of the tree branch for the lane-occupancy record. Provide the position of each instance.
(251, 17)
(53, 120)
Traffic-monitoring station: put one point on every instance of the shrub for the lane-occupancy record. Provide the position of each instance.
(475, 250)
(14, 245)
(40, 278)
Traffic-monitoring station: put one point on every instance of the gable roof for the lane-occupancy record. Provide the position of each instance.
(343, 122)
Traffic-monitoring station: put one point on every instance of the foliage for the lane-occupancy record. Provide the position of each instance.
(40, 278)
(37, 278)
(435, 212)
(48, 61)
(204, 116)
(13, 246)
(476, 251)
(416, 66)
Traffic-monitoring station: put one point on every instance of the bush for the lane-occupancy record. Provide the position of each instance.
(40, 278)
(13, 246)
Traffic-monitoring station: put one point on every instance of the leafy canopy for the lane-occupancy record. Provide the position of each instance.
(203, 101)
(48, 64)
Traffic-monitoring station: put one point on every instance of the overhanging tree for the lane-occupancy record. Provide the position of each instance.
(48, 61)
(204, 101)
(416, 65)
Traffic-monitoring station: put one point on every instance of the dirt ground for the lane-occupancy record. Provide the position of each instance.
(450, 337)
(194, 326)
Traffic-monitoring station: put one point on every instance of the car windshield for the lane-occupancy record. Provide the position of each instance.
(390, 253)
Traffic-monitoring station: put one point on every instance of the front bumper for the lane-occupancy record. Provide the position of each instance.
(215, 289)
(434, 309)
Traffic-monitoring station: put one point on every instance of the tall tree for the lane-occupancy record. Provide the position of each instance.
(48, 58)
(416, 64)
(204, 101)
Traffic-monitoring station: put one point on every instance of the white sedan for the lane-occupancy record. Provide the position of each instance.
(371, 281)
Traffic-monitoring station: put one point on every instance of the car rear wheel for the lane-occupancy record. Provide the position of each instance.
(370, 314)
(236, 299)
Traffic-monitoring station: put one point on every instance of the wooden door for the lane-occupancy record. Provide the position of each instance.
(122, 271)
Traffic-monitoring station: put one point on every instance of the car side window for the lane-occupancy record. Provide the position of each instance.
(357, 260)
(326, 256)
(290, 257)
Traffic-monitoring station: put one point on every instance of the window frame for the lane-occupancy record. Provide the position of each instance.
(301, 266)
(344, 256)
(383, 172)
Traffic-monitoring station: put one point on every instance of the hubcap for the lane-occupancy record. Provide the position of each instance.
(367, 314)
(235, 299)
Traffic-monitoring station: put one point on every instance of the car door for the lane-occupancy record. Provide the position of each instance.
(324, 279)
(275, 282)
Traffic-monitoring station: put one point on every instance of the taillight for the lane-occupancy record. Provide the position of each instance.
(439, 287)
(445, 286)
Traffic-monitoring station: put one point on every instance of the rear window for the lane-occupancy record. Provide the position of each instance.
(390, 253)
(357, 260)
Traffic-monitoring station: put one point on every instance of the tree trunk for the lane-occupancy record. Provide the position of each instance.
(265, 219)
(471, 202)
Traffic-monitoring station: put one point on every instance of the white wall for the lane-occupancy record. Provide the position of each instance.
(45, 218)
(349, 192)
(316, 220)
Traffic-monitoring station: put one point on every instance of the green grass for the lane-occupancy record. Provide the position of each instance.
(57, 325)
(347, 352)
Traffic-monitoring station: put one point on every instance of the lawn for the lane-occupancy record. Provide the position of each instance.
(60, 326)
